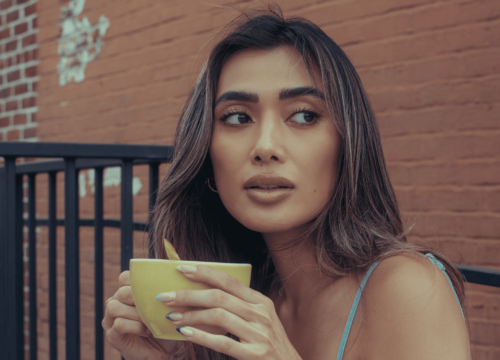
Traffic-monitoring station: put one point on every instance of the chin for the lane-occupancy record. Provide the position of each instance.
(269, 225)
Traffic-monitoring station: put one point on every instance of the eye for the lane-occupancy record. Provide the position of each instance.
(304, 117)
(235, 118)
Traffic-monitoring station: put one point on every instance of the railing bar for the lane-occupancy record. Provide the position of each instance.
(126, 214)
(11, 264)
(81, 164)
(32, 265)
(81, 150)
(477, 275)
(52, 228)
(113, 223)
(98, 262)
(72, 273)
(153, 190)
(19, 210)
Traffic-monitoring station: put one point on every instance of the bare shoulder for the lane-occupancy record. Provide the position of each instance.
(410, 311)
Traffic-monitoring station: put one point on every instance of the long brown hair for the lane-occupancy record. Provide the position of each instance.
(360, 224)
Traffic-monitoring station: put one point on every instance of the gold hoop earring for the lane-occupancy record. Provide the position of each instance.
(208, 183)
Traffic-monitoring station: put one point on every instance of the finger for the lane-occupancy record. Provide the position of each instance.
(210, 298)
(219, 343)
(220, 280)
(117, 309)
(123, 327)
(125, 295)
(124, 278)
(215, 317)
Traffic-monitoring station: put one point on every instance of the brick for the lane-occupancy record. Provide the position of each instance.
(19, 2)
(34, 86)
(12, 16)
(20, 119)
(31, 9)
(29, 102)
(34, 23)
(4, 34)
(30, 72)
(29, 40)
(21, 28)
(4, 93)
(5, 121)
(13, 135)
(13, 76)
(29, 133)
(20, 89)
(10, 46)
(11, 105)
(33, 117)
(5, 4)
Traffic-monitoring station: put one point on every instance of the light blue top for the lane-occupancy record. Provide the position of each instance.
(347, 329)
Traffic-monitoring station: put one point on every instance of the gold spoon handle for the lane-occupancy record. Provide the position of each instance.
(170, 250)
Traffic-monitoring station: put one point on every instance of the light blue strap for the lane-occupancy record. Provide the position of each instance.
(443, 269)
(354, 307)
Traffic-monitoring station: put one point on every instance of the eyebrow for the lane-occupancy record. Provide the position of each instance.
(285, 94)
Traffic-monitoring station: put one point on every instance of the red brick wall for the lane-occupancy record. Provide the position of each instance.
(18, 69)
(431, 68)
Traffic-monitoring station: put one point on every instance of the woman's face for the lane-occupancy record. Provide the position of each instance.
(274, 147)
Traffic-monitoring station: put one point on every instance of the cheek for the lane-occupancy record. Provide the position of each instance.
(227, 159)
(318, 172)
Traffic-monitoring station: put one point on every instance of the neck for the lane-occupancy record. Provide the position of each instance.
(296, 266)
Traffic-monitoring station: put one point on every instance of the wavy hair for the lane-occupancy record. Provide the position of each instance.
(360, 223)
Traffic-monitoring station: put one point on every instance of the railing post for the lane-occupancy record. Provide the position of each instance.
(98, 263)
(11, 265)
(72, 261)
(32, 265)
(153, 191)
(127, 226)
(52, 266)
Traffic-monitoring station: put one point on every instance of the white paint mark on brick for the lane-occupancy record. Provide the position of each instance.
(112, 176)
(82, 184)
(80, 42)
(91, 176)
(136, 185)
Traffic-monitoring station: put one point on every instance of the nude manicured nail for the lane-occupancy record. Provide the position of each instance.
(184, 331)
(174, 316)
(186, 269)
(168, 296)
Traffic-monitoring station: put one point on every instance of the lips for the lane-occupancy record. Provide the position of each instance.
(268, 182)
(268, 189)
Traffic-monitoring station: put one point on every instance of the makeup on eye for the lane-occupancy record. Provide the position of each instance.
(301, 116)
(234, 116)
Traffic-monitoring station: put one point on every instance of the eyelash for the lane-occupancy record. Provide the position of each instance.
(231, 112)
(314, 113)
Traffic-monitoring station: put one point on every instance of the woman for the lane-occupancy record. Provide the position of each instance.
(278, 163)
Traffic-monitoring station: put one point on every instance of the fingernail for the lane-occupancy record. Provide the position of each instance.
(187, 269)
(184, 331)
(168, 296)
(174, 316)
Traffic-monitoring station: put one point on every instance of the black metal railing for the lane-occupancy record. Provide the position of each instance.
(76, 157)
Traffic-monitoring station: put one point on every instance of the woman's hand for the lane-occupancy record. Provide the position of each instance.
(125, 330)
(234, 307)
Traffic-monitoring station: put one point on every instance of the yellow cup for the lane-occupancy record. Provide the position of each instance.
(150, 277)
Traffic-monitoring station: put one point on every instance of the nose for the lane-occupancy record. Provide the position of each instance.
(267, 148)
